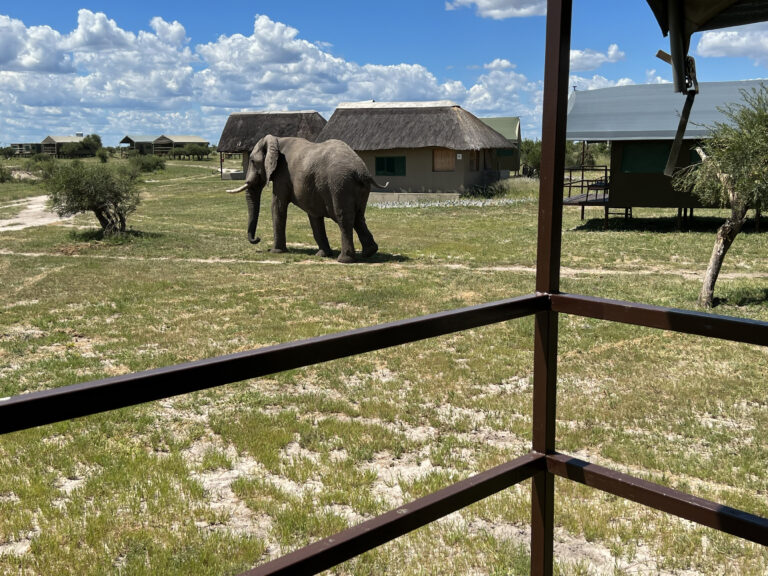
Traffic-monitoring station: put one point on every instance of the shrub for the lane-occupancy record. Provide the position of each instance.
(110, 193)
(143, 163)
(7, 152)
(5, 174)
(42, 164)
(102, 155)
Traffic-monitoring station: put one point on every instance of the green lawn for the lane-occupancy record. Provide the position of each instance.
(218, 481)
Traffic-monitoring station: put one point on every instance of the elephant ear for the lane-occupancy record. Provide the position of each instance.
(270, 158)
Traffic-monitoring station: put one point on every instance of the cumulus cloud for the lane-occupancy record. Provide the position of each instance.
(501, 9)
(591, 59)
(31, 49)
(597, 81)
(748, 41)
(101, 78)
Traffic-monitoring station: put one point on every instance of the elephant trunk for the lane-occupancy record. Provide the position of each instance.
(253, 198)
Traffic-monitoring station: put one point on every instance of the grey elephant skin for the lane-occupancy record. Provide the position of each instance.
(326, 180)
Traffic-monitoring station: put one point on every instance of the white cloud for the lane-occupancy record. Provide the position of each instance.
(33, 49)
(747, 41)
(591, 59)
(581, 83)
(501, 9)
(102, 78)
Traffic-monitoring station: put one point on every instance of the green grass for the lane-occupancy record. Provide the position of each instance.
(218, 481)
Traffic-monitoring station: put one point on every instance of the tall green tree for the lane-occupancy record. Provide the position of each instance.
(733, 173)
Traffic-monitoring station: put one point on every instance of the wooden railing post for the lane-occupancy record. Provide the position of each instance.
(558, 42)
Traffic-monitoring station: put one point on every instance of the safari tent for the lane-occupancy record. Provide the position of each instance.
(509, 127)
(419, 146)
(142, 143)
(52, 144)
(640, 122)
(164, 143)
(244, 129)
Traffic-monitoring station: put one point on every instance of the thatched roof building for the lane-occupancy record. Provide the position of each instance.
(389, 125)
(419, 146)
(244, 129)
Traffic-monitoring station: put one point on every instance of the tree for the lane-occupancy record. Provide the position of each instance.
(733, 173)
(110, 193)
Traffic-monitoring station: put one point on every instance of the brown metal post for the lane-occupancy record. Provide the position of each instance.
(558, 44)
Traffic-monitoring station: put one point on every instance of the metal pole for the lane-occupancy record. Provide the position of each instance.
(558, 41)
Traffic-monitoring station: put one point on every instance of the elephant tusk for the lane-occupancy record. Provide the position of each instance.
(236, 190)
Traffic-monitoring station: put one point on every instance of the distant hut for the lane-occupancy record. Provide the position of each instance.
(53, 144)
(141, 143)
(244, 129)
(509, 127)
(27, 148)
(419, 146)
(163, 144)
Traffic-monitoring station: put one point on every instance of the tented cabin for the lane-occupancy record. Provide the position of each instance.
(419, 146)
(141, 143)
(509, 127)
(27, 148)
(163, 144)
(640, 123)
(244, 129)
(52, 144)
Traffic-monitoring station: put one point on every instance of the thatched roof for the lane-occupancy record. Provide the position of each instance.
(244, 129)
(391, 125)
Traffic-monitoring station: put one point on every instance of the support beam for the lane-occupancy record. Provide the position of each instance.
(558, 42)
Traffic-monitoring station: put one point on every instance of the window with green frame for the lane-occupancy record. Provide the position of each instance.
(390, 166)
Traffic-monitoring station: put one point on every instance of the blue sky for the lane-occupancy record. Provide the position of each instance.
(174, 67)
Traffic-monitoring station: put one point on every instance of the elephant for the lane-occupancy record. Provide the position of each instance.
(326, 180)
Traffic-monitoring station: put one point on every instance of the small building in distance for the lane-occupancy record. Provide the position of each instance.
(142, 143)
(163, 144)
(419, 146)
(52, 144)
(640, 122)
(509, 127)
(244, 129)
(27, 148)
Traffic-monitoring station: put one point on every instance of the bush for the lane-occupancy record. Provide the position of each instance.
(42, 164)
(102, 155)
(109, 193)
(141, 163)
(5, 174)
(7, 152)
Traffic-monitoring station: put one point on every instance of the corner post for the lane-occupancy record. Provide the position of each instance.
(556, 70)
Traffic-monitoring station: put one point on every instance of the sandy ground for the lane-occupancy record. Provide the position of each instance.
(33, 214)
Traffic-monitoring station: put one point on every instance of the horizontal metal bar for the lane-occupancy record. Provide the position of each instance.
(704, 512)
(685, 321)
(58, 404)
(331, 551)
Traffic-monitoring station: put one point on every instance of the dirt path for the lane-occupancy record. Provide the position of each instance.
(34, 213)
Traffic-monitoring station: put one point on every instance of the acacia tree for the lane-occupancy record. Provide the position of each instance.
(110, 193)
(733, 173)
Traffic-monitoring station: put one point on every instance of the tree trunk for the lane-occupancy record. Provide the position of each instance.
(726, 234)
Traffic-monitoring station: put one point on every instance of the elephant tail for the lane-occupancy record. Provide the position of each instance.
(376, 184)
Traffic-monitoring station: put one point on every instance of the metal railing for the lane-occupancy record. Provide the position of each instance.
(541, 464)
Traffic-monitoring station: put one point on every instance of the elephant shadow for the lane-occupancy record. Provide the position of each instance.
(378, 258)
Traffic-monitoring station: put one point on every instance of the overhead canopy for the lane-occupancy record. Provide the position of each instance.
(648, 111)
(681, 18)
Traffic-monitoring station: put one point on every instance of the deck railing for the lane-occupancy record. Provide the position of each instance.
(541, 464)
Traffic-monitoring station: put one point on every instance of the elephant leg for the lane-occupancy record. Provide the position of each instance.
(279, 216)
(318, 231)
(346, 224)
(366, 238)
